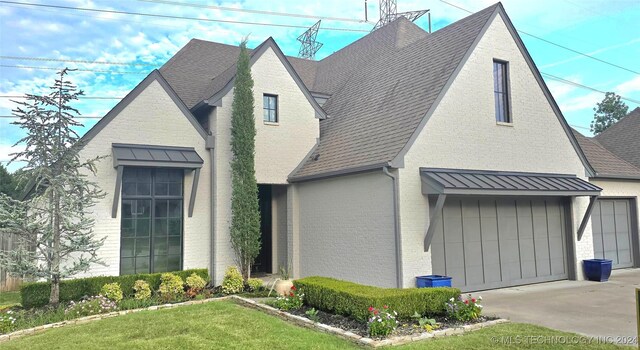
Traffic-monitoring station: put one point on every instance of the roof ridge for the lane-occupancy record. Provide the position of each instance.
(395, 22)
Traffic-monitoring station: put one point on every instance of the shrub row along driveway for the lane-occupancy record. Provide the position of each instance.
(596, 309)
(225, 325)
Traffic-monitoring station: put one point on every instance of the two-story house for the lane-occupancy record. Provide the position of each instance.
(405, 153)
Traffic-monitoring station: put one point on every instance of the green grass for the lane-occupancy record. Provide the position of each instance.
(225, 325)
(497, 337)
(8, 299)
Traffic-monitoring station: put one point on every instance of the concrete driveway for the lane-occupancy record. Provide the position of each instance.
(591, 308)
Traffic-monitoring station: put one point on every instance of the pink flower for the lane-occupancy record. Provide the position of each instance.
(386, 307)
(370, 308)
(466, 302)
(473, 300)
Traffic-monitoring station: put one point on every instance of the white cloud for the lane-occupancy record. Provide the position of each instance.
(629, 86)
(581, 102)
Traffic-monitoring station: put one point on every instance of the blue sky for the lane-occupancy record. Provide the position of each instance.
(607, 30)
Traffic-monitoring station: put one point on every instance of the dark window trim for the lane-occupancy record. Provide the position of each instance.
(152, 197)
(277, 109)
(507, 91)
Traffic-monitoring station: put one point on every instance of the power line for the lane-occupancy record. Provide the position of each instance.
(562, 80)
(176, 17)
(81, 97)
(77, 117)
(261, 12)
(75, 69)
(558, 45)
(45, 59)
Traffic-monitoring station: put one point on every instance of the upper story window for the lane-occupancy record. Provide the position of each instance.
(270, 108)
(501, 91)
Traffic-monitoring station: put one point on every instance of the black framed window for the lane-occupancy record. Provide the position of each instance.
(152, 217)
(270, 108)
(501, 91)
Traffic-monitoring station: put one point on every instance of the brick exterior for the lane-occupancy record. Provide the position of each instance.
(279, 148)
(145, 121)
(347, 229)
(463, 133)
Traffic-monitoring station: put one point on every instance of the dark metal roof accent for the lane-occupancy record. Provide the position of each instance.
(459, 181)
(155, 156)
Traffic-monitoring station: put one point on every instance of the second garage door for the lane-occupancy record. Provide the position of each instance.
(485, 243)
(611, 223)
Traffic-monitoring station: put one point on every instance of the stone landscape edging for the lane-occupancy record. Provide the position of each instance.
(87, 319)
(399, 340)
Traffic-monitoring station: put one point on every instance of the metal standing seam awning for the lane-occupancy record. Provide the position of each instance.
(443, 182)
(157, 157)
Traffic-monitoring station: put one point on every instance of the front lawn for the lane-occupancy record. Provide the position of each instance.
(9, 299)
(225, 325)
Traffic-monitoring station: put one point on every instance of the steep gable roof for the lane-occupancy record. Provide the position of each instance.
(605, 163)
(220, 85)
(379, 108)
(155, 75)
(385, 104)
(623, 138)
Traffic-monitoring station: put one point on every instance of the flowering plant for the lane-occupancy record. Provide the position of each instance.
(291, 301)
(7, 322)
(90, 306)
(464, 309)
(381, 322)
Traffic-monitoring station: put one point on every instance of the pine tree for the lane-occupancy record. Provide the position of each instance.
(608, 112)
(53, 225)
(245, 220)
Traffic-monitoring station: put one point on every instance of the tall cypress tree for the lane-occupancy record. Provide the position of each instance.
(245, 220)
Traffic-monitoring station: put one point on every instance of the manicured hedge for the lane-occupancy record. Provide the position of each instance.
(37, 294)
(352, 299)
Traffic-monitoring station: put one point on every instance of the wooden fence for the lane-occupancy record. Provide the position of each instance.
(7, 283)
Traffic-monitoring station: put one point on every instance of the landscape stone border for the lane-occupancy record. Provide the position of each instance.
(87, 319)
(305, 322)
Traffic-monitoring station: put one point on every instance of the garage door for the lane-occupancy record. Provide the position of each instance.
(485, 243)
(611, 223)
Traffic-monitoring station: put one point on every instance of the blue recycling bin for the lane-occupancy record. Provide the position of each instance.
(429, 281)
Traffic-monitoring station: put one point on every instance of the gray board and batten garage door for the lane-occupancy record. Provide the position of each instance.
(612, 233)
(493, 242)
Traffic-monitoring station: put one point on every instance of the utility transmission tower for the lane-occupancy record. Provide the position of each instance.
(389, 13)
(308, 44)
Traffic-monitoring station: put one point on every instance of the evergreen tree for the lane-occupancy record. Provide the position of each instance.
(7, 183)
(245, 219)
(608, 112)
(53, 226)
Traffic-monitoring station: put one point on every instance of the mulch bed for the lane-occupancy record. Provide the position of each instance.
(406, 327)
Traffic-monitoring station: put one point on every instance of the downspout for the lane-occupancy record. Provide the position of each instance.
(396, 225)
(210, 145)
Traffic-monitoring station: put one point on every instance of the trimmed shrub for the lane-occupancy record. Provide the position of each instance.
(255, 284)
(232, 282)
(112, 291)
(352, 299)
(142, 290)
(171, 287)
(37, 294)
(195, 282)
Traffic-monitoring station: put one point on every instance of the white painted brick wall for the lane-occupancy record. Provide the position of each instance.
(347, 229)
(279, 148)
(154, 119)
(462, 133)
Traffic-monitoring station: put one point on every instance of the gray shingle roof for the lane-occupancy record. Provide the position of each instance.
(379, 107)
(197, 69)
(623, 138)
(603, 161)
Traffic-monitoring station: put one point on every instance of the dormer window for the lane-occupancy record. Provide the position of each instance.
(270, 108)
(501, 91)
